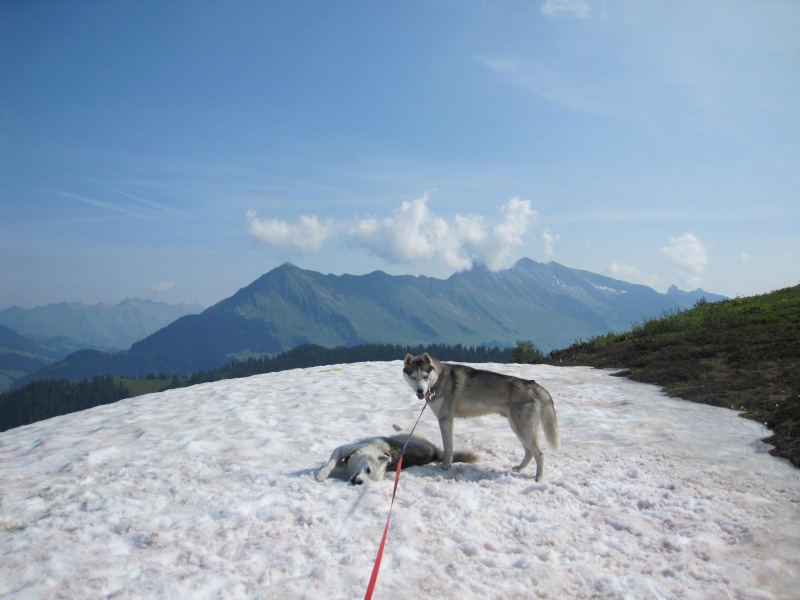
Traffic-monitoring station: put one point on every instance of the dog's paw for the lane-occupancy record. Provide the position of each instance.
(322, 475)
(445, 467)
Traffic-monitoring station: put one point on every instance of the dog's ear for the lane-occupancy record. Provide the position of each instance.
(426, 358)
(409, 359)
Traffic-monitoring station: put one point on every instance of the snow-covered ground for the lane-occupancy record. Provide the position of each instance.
(208, 492)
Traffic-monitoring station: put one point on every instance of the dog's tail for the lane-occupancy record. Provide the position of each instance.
(550, 422)
(466, 456)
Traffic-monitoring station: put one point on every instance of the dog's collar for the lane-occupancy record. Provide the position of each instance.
(430, 393)
(394, 455)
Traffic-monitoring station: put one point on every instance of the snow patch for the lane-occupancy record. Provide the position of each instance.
(208, 492)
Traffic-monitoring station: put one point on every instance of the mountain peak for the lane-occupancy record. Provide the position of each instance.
(696, 294)
(287, 266)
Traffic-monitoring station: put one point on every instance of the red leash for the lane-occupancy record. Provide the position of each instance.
(374, 578)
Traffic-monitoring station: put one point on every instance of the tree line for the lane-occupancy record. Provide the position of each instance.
(53, 397)
(312, 355)
(48, 398)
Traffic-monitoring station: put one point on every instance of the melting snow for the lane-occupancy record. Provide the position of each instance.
(208, 492)
(608, 290)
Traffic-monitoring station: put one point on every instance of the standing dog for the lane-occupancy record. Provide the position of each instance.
(372, 457)
(460, 391)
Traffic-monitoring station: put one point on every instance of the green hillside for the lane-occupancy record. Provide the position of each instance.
(742, 354)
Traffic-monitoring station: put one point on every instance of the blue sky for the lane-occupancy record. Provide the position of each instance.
(179, 150)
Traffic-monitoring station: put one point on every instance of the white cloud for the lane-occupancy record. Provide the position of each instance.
(550, 240)
(496, 248)
(499, 65)
(624, 271)
(163, 286)
(414, 233)
(689, 254)
(575, 8)
(308, 235)
(652, 280)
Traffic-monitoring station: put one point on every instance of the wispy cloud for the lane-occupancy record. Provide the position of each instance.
(163, 286)
(626, 272)
(500, 65)
(549, 239)
(148, 204)
(546, 81)
(98, 203)
(139, 208)
(307, 235)
(570, 8)
(689, 254)
(623, 272)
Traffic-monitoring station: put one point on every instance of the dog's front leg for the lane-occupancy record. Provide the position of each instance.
(326, 469)
(446, 427)
(337, 456)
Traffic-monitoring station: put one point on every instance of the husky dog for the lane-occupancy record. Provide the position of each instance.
(460, 391)
(372, 457)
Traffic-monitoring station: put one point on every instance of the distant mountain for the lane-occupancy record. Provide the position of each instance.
(550, 304)
(20, 356)
(98, 326)
(11, 341)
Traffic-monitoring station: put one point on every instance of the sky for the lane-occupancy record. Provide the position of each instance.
(179, 150)
(209, 492)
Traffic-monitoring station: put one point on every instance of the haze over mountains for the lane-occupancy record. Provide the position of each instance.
(30, 339)
(549, 304)
(114, 327)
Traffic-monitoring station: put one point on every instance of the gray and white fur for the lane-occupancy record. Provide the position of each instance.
(371, 458)
(456, 391)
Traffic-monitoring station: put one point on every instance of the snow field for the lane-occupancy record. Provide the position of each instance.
(208, 492)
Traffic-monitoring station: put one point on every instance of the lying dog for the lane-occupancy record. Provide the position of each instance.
(455, 391)
(372, 457)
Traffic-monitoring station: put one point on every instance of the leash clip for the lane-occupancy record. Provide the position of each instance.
(431, 393)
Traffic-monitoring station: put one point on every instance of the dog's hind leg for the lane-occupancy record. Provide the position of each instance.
(524, 425)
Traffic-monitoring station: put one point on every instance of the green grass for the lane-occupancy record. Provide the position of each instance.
(742, 354)
(139, 387)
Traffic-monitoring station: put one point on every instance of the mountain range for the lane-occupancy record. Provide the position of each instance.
(101, 326)
(549, 304)
(31, 339)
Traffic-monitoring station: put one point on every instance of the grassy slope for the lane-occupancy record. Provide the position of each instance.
(742, 354)
(138, 387)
